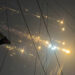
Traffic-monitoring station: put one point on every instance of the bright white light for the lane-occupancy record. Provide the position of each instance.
(49, 46)
(54, 48)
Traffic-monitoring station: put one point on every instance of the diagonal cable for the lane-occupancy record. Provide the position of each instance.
(20, 7)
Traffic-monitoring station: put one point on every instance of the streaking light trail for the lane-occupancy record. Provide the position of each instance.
(37, 39)
(20, 50)
(53, 47)
(66, 51)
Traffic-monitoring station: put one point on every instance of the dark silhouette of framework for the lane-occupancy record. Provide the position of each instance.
(4, 39)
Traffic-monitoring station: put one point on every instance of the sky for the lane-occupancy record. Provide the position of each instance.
(59, 16)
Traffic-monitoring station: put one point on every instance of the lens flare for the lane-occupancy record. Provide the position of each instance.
(39, 47)
(63, 29)
(47, 42)
(66, 51)
(22, 51)
(63, 43)
(61, 22)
